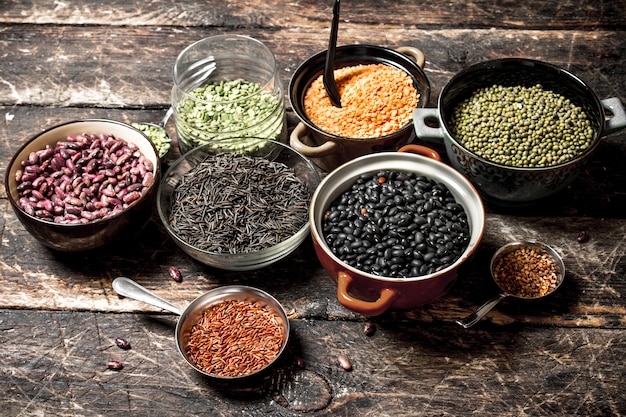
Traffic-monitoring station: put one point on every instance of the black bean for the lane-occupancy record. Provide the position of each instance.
(406, 226)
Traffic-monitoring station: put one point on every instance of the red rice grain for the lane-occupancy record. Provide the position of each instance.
(235, 338)
(376, 100)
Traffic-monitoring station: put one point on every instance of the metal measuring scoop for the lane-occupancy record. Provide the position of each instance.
(329, 68)
(542, 248)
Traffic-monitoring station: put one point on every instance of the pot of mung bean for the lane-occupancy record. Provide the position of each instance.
(379, 89)
(394, 228)
(227, 86)
(520, 130)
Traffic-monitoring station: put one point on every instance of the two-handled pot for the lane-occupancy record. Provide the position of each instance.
(370, 294)
(327, 150)
(508, 185)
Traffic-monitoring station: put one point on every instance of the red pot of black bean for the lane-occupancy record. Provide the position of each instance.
(393, 228)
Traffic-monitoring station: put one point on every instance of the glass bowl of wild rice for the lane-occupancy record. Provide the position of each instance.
(238, 204)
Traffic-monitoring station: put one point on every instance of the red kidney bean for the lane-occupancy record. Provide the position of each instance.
(115, 365)
(369, 328)
(175, 274)
(122, 343)
(344, 362)
(83, 178)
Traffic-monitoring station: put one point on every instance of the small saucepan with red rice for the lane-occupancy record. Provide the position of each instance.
(228, 333)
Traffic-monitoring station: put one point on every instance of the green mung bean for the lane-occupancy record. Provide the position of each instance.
(521, 126)
(229, 108)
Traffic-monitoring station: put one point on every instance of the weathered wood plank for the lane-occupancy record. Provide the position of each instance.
(131, 67)
(59, 316)
(55, 363)
(586, 14)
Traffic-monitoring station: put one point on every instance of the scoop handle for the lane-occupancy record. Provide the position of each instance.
(126, 287)
(475, 317)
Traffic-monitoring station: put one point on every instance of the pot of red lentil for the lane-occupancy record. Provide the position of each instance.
(379, 87)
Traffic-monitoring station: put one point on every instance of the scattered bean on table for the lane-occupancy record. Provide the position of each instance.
(122, 343)
(396, 224)
(175, 274)
(582, 237)
(344, 362)
(521, 126)
(115, 365)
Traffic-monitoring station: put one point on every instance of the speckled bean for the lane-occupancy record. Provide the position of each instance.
(83, 178)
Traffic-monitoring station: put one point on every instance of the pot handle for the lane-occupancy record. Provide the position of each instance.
(421, 150)
(422, 130)
(367, 308)
(618, 121)
(295, 140)
(417, 54)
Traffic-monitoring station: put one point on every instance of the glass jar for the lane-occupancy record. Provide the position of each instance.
(227, 86)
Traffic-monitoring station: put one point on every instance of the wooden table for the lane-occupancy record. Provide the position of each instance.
(59, 315)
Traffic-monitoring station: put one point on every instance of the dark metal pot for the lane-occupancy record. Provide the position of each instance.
(507, 185)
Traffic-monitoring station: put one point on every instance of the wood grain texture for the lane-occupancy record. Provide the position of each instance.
(124, 67)
(59, 316)
(569, 14)
(57, 362)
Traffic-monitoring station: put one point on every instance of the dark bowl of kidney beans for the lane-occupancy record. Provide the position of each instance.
(82, 184)
(393, 228)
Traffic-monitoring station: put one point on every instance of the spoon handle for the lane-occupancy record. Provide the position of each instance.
(128, 288)
(329, 68)
(475, 317)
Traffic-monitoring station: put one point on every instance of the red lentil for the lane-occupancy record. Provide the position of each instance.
(526, 272)
(235, 338)
(376, 100)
